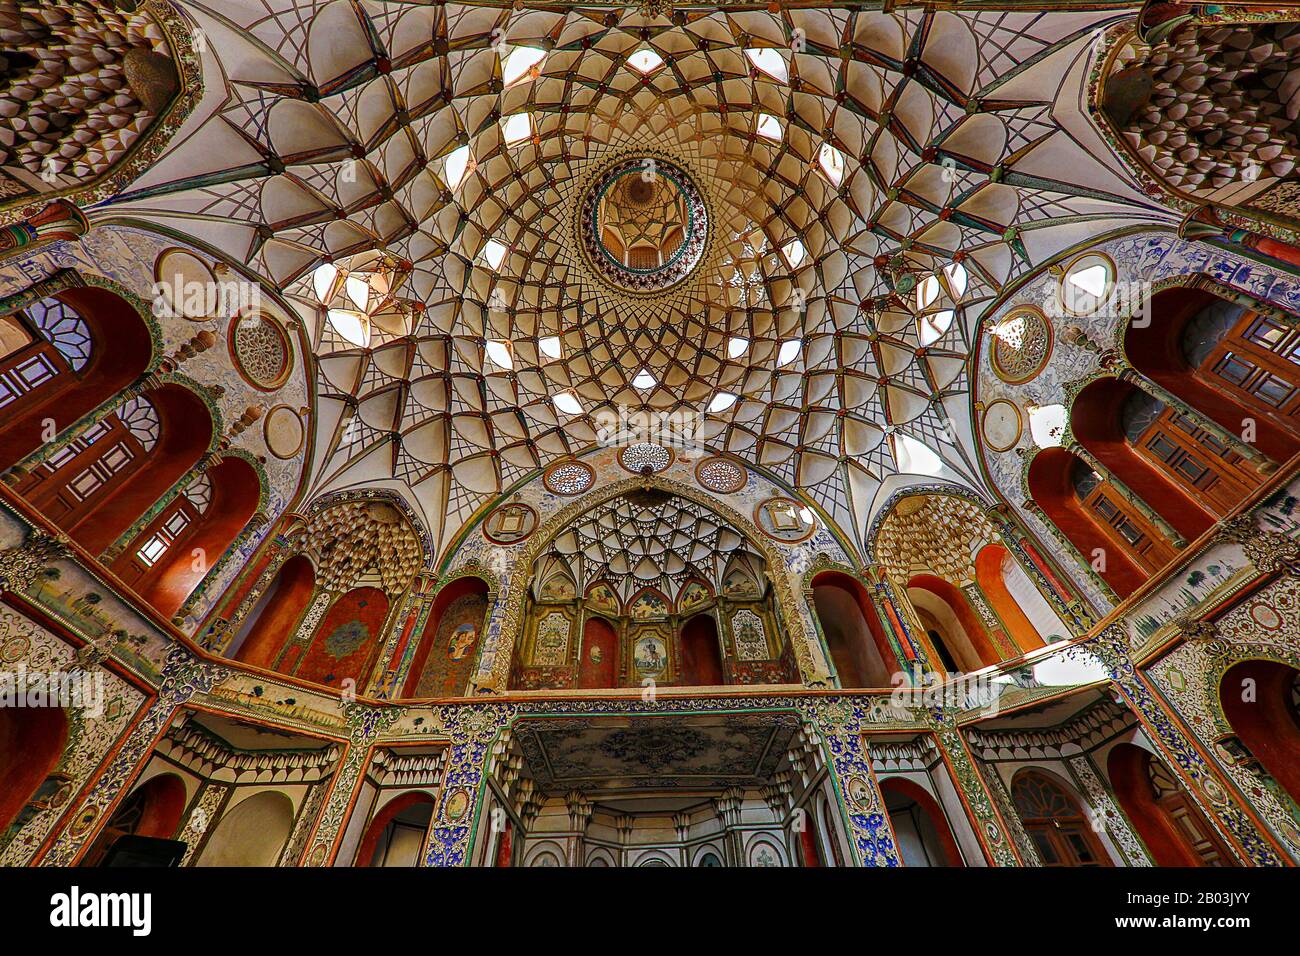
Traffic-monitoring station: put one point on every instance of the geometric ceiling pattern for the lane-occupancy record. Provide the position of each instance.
(650, 539)
(411, 176)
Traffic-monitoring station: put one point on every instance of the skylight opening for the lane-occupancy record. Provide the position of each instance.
(927, 292)
(769, 61)
(459, 164)
(931, 328)
(831, 161)
(794, 253)
(352, 327)
(498, 351)
(788, 353)
(644, 380)
(519, 64)
(1046, 424)
(645, 60)
(568, 403)
(494, 253)
(549, 346)
(958, 278)
(722, 401)
(517, 128)
(915, 458)
(322, 280)
(737, 346)
(770, 127)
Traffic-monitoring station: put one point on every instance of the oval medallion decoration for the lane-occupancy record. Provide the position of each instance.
(284, 432)
(1022, 344)
(261, 351)
(720, 475)
(185, 285)
(785, 519)
(643, 455)
(1001, 425)
(457, 805)
(510, 523)
(569, 478)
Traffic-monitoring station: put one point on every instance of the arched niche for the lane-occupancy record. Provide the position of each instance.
(947, 612)
(1102, 420)
(1028, 617)
(450, 640)
(118, 351)
(396, 835)
(152, 809)
(1053, 487)
(251, 833)
(275, 617)
(599, 664)
(1164, 815)
(854, 637)
(701, 652)
(920, 825)
(32, 740)
(1228, 357)
(344, 645)
(1054, 820)
(1258, 698)
(174, 552)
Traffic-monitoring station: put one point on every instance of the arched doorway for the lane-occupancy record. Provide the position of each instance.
(1171, 825)
(345, 643)
(32, 740)
(273, 621)
(701, 652)
(153, 809)
(396, 835)
(1055, 822)
(1259, 700)
(1024, 611)
(856, 642)
(252, 833)
(924, 837)
(599, 664)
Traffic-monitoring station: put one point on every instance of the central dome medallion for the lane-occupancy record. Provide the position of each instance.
(643, 223)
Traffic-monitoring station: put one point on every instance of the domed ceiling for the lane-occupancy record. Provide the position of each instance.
(869, 182)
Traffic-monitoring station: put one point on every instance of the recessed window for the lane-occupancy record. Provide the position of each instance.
(499, 353)
(769, 127)
(353, 327)
(1087, 284)
(737, 346)
(722, 401)
(459, 163)
(518, 64)
(568, 403)
(831, 161)
(769, 61)
(549, 346)
(794, 253)
(644, 380)
(787, 353)
(494, 253)
(516, 129)
(645, 60)
(153, 550)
